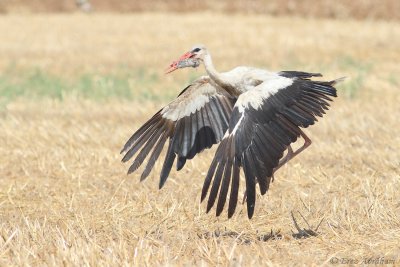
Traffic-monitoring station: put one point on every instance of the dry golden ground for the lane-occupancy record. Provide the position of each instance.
(65, 198)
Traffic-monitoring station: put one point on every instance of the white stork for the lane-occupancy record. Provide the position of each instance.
(254, 114)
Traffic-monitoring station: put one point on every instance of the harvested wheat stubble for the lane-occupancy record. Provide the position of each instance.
(65, 197)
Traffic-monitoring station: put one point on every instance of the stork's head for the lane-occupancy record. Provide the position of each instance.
(191, 58)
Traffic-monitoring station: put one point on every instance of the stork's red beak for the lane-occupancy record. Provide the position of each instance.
(174, 64)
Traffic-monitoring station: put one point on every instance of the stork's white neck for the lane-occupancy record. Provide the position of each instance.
(216, 76)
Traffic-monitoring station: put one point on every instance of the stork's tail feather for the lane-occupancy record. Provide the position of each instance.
(338, 80)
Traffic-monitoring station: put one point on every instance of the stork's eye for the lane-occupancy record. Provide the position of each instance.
(196, 50)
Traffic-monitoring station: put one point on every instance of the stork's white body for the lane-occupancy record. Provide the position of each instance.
(247, 78)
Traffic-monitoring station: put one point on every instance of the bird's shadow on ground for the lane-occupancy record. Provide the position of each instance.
(240, 237)
(300, 233)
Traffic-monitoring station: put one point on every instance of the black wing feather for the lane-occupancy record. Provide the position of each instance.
(154, 156)
(234, 187)
(168, 162)
(224, 187)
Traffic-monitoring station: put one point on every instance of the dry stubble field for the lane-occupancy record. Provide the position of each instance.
(65, 197)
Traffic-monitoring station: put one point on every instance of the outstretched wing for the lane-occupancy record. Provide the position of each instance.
(195, 120)
(264, 122)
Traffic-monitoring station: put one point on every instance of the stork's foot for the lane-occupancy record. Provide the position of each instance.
(304, 233)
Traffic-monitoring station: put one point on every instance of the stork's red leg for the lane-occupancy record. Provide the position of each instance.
(285, 160)
(289, 156)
